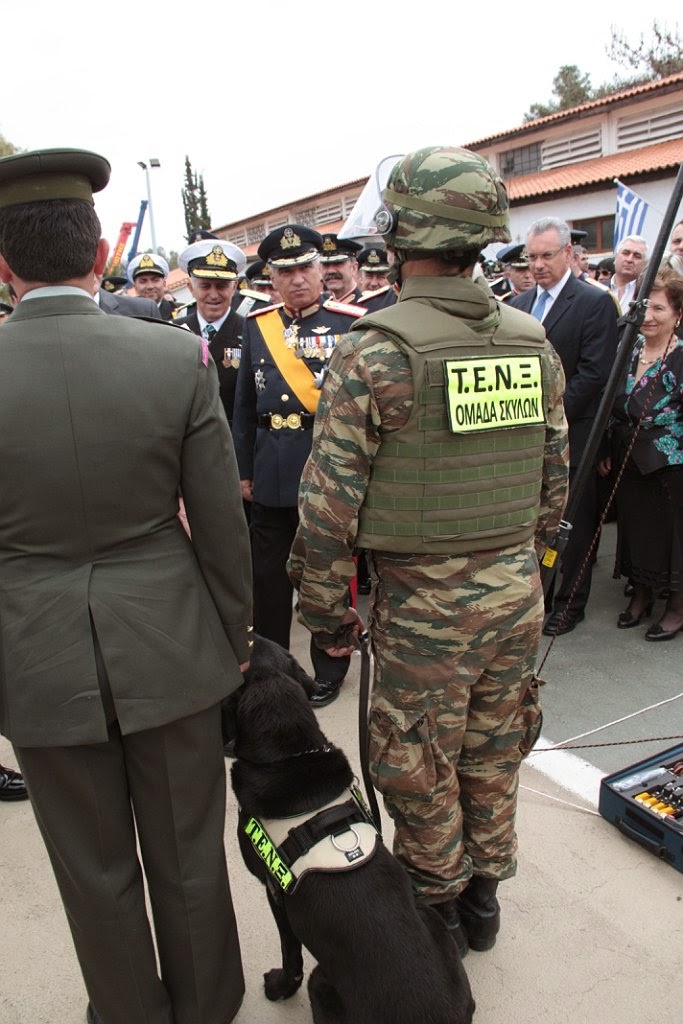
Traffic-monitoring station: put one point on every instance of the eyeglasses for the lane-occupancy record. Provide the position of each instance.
(544, 256)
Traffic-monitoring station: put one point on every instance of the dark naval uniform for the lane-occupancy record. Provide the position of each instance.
(284, 360)
(247, 301)
(215, 261)
(226, 349)
(373, 301)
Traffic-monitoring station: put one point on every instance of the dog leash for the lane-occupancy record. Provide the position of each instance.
(363, 731)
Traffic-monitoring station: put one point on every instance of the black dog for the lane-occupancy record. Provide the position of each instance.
(381, 958)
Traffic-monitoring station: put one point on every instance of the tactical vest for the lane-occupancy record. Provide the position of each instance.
(464, 473)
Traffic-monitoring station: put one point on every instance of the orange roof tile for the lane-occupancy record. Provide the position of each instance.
(662, 156)
(176, 279)
(661, 84)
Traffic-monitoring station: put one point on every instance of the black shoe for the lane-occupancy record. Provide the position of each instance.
(657, 632)
(562, 622)
(480, 912)
(92, 1016)
(449, 912)
(325, 693)
(365, 587)
(12, 785)
(627, 620)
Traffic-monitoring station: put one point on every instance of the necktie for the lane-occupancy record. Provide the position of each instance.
(210, 332)
(539, 305)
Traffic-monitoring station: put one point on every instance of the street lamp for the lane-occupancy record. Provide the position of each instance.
(153, 162)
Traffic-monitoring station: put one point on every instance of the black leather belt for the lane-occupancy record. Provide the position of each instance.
(295, 421)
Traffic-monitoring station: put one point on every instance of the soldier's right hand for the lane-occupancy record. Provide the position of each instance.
(247, 489)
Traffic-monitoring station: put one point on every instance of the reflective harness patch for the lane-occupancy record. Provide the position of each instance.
(490, 392)
(338, 837)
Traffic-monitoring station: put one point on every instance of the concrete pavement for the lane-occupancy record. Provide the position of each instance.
(592, 928)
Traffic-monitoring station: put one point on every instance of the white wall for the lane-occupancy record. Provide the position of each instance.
(597, 204)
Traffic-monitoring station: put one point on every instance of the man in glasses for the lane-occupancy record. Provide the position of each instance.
(581, 324)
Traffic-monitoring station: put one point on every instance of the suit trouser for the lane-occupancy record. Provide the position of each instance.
(272, 535)
(88, 800)
(585, 524)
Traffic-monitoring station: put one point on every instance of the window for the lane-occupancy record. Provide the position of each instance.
(524, 160)
(277, 222)
(256, 233)
(600, 230)
(328, 214)
(658, 126)
(306, 217)
(563, 151)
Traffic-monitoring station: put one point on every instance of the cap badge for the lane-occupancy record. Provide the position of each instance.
(373, 256)
(217, 258)
(290, 240)
(329, 245)
(146, 263)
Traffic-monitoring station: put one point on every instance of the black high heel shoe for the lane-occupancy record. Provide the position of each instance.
(657, 632)
(627, 620)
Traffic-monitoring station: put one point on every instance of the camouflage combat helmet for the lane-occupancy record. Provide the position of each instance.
(443, 198)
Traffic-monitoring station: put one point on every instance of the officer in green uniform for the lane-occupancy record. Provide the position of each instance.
(118, 637)
(440, 445)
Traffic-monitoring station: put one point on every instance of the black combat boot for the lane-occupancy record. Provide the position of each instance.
(479, 912)
(449, 912)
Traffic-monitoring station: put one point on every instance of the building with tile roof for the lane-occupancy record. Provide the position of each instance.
(562, 165)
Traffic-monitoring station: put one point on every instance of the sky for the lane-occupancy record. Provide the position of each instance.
(275, 100)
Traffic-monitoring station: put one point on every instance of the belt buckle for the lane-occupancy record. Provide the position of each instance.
(294, 421)
(277, 421)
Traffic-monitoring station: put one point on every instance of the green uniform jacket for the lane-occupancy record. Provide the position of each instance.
(102, 420)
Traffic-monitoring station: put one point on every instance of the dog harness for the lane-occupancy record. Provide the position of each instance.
(338, 837)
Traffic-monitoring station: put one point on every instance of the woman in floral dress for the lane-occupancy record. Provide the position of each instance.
(646, 431)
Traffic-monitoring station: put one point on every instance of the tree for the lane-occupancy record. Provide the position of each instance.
(6, 148)
(662, 56)
(570, 86)
(195, 204)
(645, 61)
(171, 258)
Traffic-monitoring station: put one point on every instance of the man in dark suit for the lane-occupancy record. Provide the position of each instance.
(214, 266)
(119, 637)
(581, 324)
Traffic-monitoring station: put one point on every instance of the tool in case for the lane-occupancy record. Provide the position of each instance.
(645, 802)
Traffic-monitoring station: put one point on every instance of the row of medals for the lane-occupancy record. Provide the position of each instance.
(316, 347)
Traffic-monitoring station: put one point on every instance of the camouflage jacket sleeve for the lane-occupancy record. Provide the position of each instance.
(367, 392)
(554, 484)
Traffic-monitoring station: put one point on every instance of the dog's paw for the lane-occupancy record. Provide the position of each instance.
(280, 985)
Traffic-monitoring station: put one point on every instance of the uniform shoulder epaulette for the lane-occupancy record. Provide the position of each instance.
(265, 309)
(372, 295)
(344, 307)
(247, 293)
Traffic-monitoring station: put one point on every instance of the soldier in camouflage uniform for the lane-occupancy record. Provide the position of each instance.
(440, 444)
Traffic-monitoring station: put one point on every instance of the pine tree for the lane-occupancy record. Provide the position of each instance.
(195, 204)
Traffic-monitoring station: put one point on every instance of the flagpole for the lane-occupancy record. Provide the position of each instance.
(633, 320)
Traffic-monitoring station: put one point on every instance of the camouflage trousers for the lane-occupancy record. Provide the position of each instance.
(454, 708)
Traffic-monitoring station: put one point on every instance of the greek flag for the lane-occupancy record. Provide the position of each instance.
(631, 213)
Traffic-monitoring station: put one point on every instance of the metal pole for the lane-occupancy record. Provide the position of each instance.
(154, 163)
(151, 213)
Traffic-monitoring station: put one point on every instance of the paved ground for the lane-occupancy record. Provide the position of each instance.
(592, 925)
